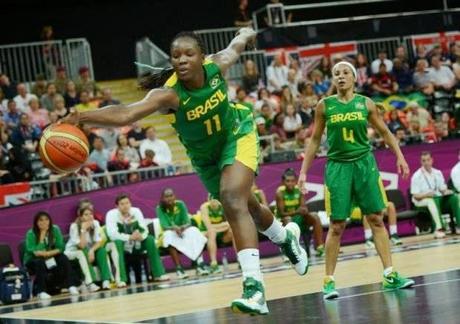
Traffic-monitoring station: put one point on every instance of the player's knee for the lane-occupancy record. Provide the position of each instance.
(337, 228)
(232, 201)
(375, 220)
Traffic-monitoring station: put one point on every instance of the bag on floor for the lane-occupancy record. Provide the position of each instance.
(14, 285)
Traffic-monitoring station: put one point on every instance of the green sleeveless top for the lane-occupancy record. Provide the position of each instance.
(346, 128)
(216, 216)
(205, 118)
(291, 199)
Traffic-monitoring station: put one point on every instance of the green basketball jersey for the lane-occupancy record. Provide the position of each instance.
(346, 128)
(291, 199)
(204, 118)
(216, 216)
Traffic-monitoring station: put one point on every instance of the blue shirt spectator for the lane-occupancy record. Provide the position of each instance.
(26, 134)
(403, 76)
(11, 117)
(99, 155)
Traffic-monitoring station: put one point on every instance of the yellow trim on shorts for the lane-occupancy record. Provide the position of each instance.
(383, 192)
(327, 201)
(247, 151)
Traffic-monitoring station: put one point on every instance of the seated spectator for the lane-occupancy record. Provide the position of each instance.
(241, 98)
(37, 116)
(87, 203)
(403, 76)
(263, 96)
(5, 175)
(12, 116)
(85, 245)
(3, 104)
(287, 98)
(71, 96)
(292, 82)
(250, 77)
(131, 153)
(292, 121)
(118, 162)
(163, 154)
(290, 207)
(401, 55)
(243, 17)
(395, 122)
(26, 135)
(428, 189)
(401, 136)
(136, 135)
(325, 67)
(47, 100)
(85, 103)
(455, 178)
(278, 127)
(363, 74)
(443, 77)
(212, 224)
(44, 246)
(448, 122)
(61, 80)
(23, 98)
(295, 65)
(107, 98)
(437, 50)
(18, 164)
(178, 235)
(149, 160)
(8, 87)
(85, 83)
(110, 137)
(381, 59)
(420, 54)
(276, 74)
(320, 86)
(59, 106)
(259, 194)
(100, 155)
(39, 88)
(423, 78)
(126, 228)
(90, 135)
(261, 128)
(420, 115)
(383, 83)
(267, 113)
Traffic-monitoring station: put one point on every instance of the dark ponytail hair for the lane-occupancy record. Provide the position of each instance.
(289, 172)
(156, 79)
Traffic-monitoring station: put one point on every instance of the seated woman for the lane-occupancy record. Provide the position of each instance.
(85, 245)
(178, 234)
(44, 246)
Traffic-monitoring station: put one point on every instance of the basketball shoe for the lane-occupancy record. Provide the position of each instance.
(252, 301)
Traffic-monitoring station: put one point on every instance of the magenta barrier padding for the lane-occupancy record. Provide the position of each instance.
(15, 221)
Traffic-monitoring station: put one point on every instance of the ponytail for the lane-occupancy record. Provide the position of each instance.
(155, 79)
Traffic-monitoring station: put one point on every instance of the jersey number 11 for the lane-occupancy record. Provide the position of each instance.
(208, 123)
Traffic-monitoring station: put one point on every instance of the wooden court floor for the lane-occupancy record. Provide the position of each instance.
(421, 255)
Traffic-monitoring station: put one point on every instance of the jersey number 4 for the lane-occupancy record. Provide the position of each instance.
(348, 135)
(209, 124)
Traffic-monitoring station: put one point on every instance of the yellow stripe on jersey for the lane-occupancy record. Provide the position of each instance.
(247, 151)
(327, 201)
(171, 82)
(207, 61)
(383, 192)
(241, 107)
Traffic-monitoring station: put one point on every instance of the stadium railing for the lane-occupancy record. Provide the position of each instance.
(148, 54)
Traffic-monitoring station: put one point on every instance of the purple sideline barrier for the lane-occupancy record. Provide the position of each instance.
(15, 221)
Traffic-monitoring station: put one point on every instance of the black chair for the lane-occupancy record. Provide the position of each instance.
(397, 198)
(316, 205)
(6, 256)
(423, 219)
(282, 156)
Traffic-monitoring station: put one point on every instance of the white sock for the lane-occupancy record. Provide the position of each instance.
(250, 264)
(367, 233)
(393, 229)
(276, 232)
(387, 271)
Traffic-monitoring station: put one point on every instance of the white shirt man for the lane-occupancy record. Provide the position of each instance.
(455, 175)
(277, 74)
(375, 65)
(443, 77)
(163, 154)
(23, 98)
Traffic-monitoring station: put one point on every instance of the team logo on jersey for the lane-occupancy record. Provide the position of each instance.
(359, 105)
(214, 82)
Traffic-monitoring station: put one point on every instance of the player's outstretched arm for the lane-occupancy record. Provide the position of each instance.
(121, 115)
(227, 57)
(377, 122)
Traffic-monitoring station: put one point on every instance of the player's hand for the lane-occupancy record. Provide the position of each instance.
(72, 118)
(301, 183)
(403, 168)
(251, 35)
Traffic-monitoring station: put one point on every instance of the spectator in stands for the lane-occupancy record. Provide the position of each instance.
(241, 98)
(363, 74)
(443, 77)
(110, 137)
(178, 234)
(163, 154)
(53, 118)
(456, 68)
(8, 87)
(44, 246)
(23, 98)
(277, 127)
(403, 76)
(276, 15)
(37, 116)
(401, 136)
(423, 77)
(395, 122)
(18, 164)
(428, 189)
(59, 106)
(292, 121)
(325, 67)
(118, 162)
(419, 120)
(149, 160)
(242, 16)
(320, 85)
(107, 98)
(85, 102)
(307, 97)
(260, 124)
(85, 245)
(87, 203)
(381, 59)
(131, 153)
(12, 116)
(267, 113)
(39, 88)
(437, 50)
(85, 83)
(250, 77)
(126, 228)
(401, 55)
(287, 98)
(26, 135)
(61, 80)
(276, 74)
(455, 178)
(90, 135)
(306, 112)
(47, 100)
(383, 83)
(5, 175)
(136, 135)
(292, 82)
(3, 104)
(420, 54)
(444, 126)
(264, 96)
(71, 96)
(100, 155)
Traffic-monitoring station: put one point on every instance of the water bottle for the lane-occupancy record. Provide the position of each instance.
(225, 263)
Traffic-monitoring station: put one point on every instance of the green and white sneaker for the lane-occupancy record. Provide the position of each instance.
(252, 301)
(395, 240)
(214, 268)
(320, 251)
(370, 243)
(202, 269)
(180, 273)
(292, 249)
(395, 281)
(329, 291)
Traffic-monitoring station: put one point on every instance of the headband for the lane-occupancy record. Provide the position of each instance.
(352, 68)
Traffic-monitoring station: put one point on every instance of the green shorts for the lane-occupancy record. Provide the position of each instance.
(350, 184)
(299, 220)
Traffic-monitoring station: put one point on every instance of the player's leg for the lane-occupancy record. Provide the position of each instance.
(103, 265)
(392, 223)
(312, 220)
(381, 241)
(156, 266)
(369, 240)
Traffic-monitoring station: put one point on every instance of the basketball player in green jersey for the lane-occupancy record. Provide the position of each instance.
(351, 175)
(221, 141)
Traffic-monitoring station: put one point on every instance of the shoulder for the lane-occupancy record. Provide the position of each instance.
(180, 202)
(437, 172)
(280, 189)
(30, 233)
(136, 210)
(56, 229)
(417, 173)
(112, 213)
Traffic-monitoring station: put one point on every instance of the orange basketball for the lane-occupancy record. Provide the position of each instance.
(63, 148)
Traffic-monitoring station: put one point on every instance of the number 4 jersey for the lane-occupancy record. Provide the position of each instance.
(346, 128)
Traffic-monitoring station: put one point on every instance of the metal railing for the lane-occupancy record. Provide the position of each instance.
(371, 47)
(149, 54)
(78, 55)
(236, 71)
(216, 40)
